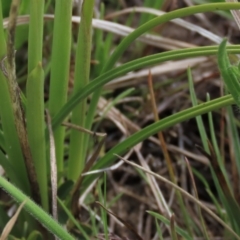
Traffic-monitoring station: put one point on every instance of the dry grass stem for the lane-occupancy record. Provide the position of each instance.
(74, 126)
(160, 134)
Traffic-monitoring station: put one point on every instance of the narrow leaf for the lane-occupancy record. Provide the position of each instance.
(36, 128)
(228, 72)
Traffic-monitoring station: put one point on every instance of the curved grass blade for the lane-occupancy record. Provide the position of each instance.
(183, 12)
(131, 66)
(35, 103)
(35, 37)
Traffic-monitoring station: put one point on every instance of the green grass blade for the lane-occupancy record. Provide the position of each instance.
(131, 66)
(223, 186)
(199, 120)
(36, 129)
(229, 203)
(103, 47)
(37, 212)
(222, 183)
(159, 231)
(215, 144)
(102, 199)
(183, 12)
(35, 37)
(229, 75)
(35, 235)
(60, 70)
(77, 151)
(211, 195)
(71, 217)
(34, 92)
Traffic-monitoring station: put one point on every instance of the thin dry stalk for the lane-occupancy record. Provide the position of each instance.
(160, 134)
(76, 127)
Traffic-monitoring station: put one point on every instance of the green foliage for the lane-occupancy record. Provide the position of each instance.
(71, 159)
(60, 61)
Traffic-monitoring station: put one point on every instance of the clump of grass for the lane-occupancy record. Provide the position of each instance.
(64, 145)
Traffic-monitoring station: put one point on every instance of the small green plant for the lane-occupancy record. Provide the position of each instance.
(31, 147)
